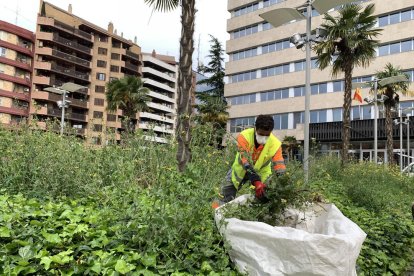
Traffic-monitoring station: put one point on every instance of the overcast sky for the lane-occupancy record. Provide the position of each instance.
(154, 30)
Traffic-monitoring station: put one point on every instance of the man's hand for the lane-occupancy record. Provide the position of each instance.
(251, 174)
(260, 190)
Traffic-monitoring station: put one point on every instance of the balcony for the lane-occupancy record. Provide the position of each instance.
(131, 66)
(68, 114)
(16, 63)
(69, 72)
(40, 95)
(16, 79)
(161, 96)
(14, 111)
(132, 55)
(155, 117)
(74, 102)
(71, 58)
(73, 30)
(161, 107)
(72, 44)
(158, 84)
(360, 130)
(157, 127)
(41, 80)
(17, 48)
(152, 71)
(15, 95)
(62, 26)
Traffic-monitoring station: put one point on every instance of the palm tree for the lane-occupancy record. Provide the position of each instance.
(129, 95)
(185, 74)
(392, 100)
(290, 144)
(349, 43)
(213, 110)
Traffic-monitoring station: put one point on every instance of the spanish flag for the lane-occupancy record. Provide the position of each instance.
(357, 95)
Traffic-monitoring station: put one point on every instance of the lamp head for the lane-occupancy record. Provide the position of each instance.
(297, 40)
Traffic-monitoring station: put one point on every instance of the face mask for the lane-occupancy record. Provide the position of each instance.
(261, 139)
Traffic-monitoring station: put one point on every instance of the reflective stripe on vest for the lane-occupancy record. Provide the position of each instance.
(262, 165)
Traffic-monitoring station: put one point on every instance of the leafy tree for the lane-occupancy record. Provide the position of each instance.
(129, 95)
(214, 68)
(390, 90)
(349, 43)
(213, 105)
(185, 74)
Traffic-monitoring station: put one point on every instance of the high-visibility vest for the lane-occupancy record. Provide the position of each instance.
(263, 164)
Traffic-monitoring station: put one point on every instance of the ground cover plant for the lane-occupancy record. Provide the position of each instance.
(69, 209)
(378, 199)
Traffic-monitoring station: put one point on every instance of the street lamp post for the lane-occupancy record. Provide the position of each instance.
(278, 17)
(401, 122)
(408, 138)
(64, 90)
(382, 82)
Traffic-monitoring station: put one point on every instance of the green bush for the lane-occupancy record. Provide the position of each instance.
(378, 199)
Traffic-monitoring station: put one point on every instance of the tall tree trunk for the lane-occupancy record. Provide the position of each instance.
(184, 90)
(346, 126)
(388, 131)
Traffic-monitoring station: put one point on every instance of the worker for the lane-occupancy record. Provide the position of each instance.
(259, 153)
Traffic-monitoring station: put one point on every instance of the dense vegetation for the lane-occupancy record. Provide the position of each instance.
(70, 209)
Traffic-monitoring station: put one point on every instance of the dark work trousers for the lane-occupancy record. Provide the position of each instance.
(227, 190)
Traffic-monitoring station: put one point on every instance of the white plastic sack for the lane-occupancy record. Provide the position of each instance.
(326, 243)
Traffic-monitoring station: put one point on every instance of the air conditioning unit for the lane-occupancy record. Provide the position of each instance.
(26, 89)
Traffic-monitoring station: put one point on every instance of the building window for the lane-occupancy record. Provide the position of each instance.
(244, 54)
(103, 38)
(99, 89)
(395, 18)
(244, 99)
(4, 35)
(239, 124)
(337, 114)
(2, 52)
(318, 116)
(115, 56)
(100, 76)
(267, 3)
(112, 78)
(96, 140)
(338, 86)
(114, 68)
(396, 47)
(102, 51)
(281, 121)
(111, 117)
(97, 127)
(99, 102)
(298, 118)
(243, 76)
(277, 70)
(97, 115)
(299, 91)
(355, 112)
(246, 9)
(274, 95)
(245, 31)
(101, 63)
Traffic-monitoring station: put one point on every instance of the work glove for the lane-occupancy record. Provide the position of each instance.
(260, 190)
(251, 174)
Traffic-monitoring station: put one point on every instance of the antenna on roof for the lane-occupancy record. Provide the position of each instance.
(17, 12)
